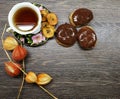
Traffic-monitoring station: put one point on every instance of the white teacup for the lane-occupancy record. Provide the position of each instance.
(25, 18)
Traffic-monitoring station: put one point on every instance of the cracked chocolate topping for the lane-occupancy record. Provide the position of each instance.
(82, 16)
(66, 34)
(86, 37)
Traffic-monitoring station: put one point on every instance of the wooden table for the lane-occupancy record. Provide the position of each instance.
(77, 74)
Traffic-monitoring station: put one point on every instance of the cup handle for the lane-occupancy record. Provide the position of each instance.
(9, 30)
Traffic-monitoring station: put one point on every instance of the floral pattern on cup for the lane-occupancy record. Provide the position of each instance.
(38, 38)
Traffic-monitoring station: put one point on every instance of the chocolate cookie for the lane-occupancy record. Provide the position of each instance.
(86, 37)
(66, 35)
(80, 17)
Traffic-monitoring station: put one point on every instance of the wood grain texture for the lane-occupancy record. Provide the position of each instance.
(77, 74)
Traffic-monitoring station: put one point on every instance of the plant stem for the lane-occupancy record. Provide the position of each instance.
(48, 92)
(20, 69)
(2, 42)
(23, 79)
(22, 84)
(23, 70)
(13, 62)
(7, 52)
(3, 32)
(7, 55)
(39, 85)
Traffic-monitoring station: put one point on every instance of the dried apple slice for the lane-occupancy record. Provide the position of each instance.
(52, 18)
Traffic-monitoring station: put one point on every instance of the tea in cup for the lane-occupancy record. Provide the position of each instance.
(25, 18)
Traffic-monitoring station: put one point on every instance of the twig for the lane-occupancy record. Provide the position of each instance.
(20, 69)
(23, 70)
(23, 79)
(18, 96)
(22, 84)
(7, 52)
(7, 55)
(39, 85)
(48, 92)
(3, 41)
(3, 32)
(14, 63)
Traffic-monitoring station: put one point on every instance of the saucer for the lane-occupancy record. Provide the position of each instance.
(33, 40)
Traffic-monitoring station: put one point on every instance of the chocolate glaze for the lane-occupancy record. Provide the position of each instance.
(86, 38)
(82, 16)
(66, 34)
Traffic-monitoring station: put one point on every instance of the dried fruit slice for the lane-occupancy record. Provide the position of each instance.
(52, 18)
(45, 24)
(44, 14)
(48, 31)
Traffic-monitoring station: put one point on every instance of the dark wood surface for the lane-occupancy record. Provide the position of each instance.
(77, 74)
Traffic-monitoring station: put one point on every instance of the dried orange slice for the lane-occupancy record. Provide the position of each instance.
(44, 14)
(45, 24)
(52, 18)
(48, 31)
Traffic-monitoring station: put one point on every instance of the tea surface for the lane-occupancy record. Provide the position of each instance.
(25, 19)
